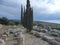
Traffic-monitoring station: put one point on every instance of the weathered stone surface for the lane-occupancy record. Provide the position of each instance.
(47, 38)
(32, 40)
(57, 39)
(4, 37)
(2, 42)
(33, 32)
(44, 30)
(20, 39)
(54, 42)
(50, 40)
(37, 34)
(53, 33)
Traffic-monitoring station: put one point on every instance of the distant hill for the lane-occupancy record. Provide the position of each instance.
(54, 25)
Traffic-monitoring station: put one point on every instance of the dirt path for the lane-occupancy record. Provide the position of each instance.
(32, 40)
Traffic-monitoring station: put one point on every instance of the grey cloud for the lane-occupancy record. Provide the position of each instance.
(10, 9)
(9, 4)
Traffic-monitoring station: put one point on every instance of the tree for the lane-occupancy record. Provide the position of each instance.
(28, 17)
(4, 20)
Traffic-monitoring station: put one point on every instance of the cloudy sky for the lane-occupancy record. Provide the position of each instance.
(44, 10)
(9, 9)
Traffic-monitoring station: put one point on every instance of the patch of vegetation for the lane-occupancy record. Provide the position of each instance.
(53, 25)
(58, 33)
(6, 21)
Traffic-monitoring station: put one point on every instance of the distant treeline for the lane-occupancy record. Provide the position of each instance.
(6, 21)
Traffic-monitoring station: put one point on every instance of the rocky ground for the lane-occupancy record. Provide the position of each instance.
(32, 40)
(29, 39)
